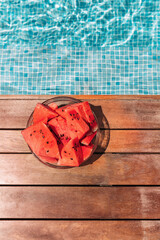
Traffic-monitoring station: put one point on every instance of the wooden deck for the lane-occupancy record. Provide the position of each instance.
(115, 197)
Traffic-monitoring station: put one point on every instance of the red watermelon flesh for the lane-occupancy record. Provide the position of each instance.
(48, 159)
(71, 154)
(59, 143)
(43, 113)
(87, 140)
(60, 111)
(30, 135)
(53, 106)
(87, 114)
(60, 128)
(74, 131)
(41, 140)
(90, 117)
(79, 109)
(76, 122)
(86, 151)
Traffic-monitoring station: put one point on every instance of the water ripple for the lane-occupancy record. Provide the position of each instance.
(80, 22)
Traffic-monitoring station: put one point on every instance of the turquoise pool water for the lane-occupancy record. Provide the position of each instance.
(79, 47)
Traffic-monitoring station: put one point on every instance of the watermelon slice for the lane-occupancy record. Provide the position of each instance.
(60, 128)
(73, 131)
(90, 117)
(79, 109)
(48, 159)
(72, 116)
(60, 111)
(87, 140)
(75, 122)
(71, 154)
(86, 151)
(41, 140)
(43, 113)
(53, 106)
(86, 112)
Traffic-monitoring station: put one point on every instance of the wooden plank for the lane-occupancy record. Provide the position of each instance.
(106, 169)
(132, 169)
(114, 114)
(140, 141)
(127, 114)
(86, 230)
(80, 202)
(120, 141)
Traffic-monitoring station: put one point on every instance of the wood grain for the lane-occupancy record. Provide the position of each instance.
(80, 230)
(80, 202)
(114, 114)
(120, 141)
(140, 141)
(106, 169)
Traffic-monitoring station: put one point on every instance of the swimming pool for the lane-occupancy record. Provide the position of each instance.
(80, 47)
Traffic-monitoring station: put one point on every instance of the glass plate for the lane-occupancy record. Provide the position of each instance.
(62, 101)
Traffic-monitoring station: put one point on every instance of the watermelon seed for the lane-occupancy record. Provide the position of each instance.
(40, 131)
(47, 142)
(66, 138)
(73, 114)
(43, 136)
(34, 131)
(65, 151)
(31, 134)
(72, 119)
(70, 114)
(62, 110)
(47, 151)
(71, 158)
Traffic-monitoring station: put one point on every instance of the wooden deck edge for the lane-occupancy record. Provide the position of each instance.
(81, 96)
